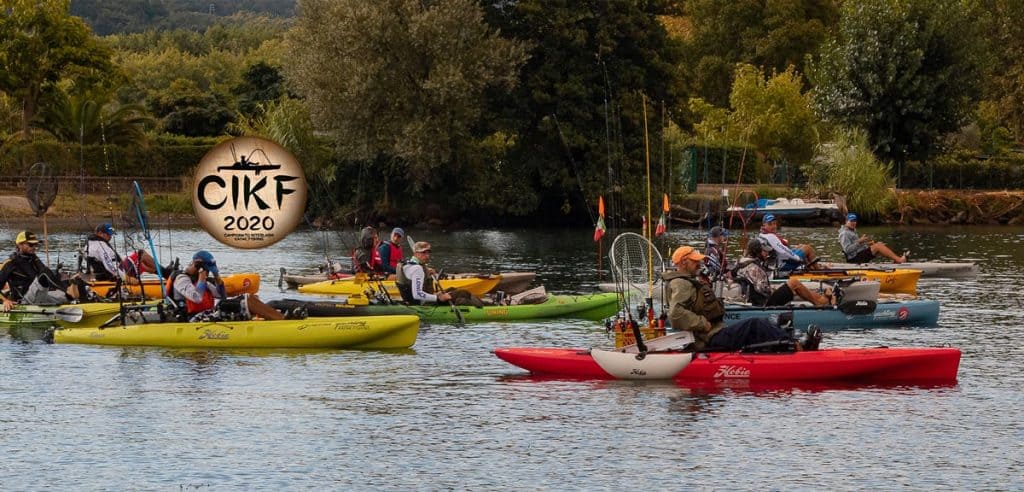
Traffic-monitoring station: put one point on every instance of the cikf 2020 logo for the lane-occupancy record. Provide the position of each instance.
(249, 192)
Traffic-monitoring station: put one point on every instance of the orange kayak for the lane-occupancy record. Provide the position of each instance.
(235, 284)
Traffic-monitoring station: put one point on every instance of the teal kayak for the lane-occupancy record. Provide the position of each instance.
(591, 307)
(916, 312)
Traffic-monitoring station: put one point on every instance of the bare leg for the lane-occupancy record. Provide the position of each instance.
(257, 308)
(810, 254)
(880, 249)
(802, 291)
(147, 263)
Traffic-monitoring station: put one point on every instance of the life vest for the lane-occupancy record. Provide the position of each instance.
(395, 257)
(191, 307)
(706, 303)
(404, 283)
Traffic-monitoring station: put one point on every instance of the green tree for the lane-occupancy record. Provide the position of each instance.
(399, 83)
(772, 115)
(261, 83)
(769, 35)
(575, 120)
(41, 43)
(1004, 88)
(906, 71)
(186, 109)
(847, 166)
(91, 117)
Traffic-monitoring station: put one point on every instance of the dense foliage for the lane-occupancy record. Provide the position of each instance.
(523, 111)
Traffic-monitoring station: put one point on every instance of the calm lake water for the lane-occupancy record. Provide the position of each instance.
(447, 414)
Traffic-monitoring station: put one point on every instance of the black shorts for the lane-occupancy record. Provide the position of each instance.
(780, 297)
(864, 256)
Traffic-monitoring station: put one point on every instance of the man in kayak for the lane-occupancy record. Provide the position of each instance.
(861, 249)
(100, 258)
(717, 262)
(694, 307)
(390, 252)
(366, 258)
(30, 281)
(204, 295)
(412, 280)
(787, 257)
(752, 270)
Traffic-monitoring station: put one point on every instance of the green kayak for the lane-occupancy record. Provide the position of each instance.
(591, 307)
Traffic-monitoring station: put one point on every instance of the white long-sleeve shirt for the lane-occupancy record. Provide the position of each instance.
(417, 275)
(782, 252)
(102, 252)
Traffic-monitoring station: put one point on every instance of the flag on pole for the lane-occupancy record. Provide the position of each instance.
(600, 229)
(663, 221)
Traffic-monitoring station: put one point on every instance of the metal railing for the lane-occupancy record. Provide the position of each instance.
(95, 184)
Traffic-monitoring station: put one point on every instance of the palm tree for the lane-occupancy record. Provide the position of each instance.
(92, 118)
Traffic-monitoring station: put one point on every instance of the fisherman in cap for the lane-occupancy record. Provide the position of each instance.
(390, 251)
(30, 281)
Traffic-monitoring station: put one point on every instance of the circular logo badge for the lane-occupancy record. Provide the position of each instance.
(249, 192)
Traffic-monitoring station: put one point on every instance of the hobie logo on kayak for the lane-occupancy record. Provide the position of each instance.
(213, 335)
(732, 372)
(249, 192)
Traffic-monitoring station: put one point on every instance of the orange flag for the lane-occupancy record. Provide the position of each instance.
(663, 221)
(600, 228)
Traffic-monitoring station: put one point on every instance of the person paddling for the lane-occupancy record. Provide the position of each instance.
(788, 257)
(861, 249)
(694, 307)
(204, 296)
(412, 278)
(101, 259)
(390, 251)
(30, 281)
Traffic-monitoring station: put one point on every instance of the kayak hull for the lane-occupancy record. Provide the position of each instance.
(591, 307)
(902, 281)
(378, 332)
(928, 268)
(351, 286)
(917, 312)
(511, 282)
(860, 365)
(235, 284)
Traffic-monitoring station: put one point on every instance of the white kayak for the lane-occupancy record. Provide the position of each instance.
(658, 365)
(928, 268)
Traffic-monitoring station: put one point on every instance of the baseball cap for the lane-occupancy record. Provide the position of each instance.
(851, 217)
(718, 231)
(399, 231)
(26, 237)
(686, 252)
(208, 262)
(769, 218)
(105, 228)
(421, 247)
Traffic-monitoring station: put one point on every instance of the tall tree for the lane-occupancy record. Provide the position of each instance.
(906, 71)
(769, 35)
(1004, 78)
(589, 64)
(40, 43)
(92, 117)
(398, 78)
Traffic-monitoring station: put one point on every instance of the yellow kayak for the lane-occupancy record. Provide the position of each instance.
(477, 286)
(367, 332)
(235, 284)
(893, 282)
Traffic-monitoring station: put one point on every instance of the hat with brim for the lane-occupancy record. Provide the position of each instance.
(26, 237)
(686, 253)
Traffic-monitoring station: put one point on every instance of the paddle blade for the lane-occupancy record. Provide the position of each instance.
(70, 314)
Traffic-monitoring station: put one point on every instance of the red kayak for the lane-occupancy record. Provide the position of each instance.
(860, 365)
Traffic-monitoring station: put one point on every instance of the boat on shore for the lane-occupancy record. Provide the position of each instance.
(790, 208)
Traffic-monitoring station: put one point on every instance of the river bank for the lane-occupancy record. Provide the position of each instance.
(912, 207)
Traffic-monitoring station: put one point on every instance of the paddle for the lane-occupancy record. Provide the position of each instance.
(139, 204)
(69, 314)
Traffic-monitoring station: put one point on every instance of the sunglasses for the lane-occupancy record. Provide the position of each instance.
(425, 251)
